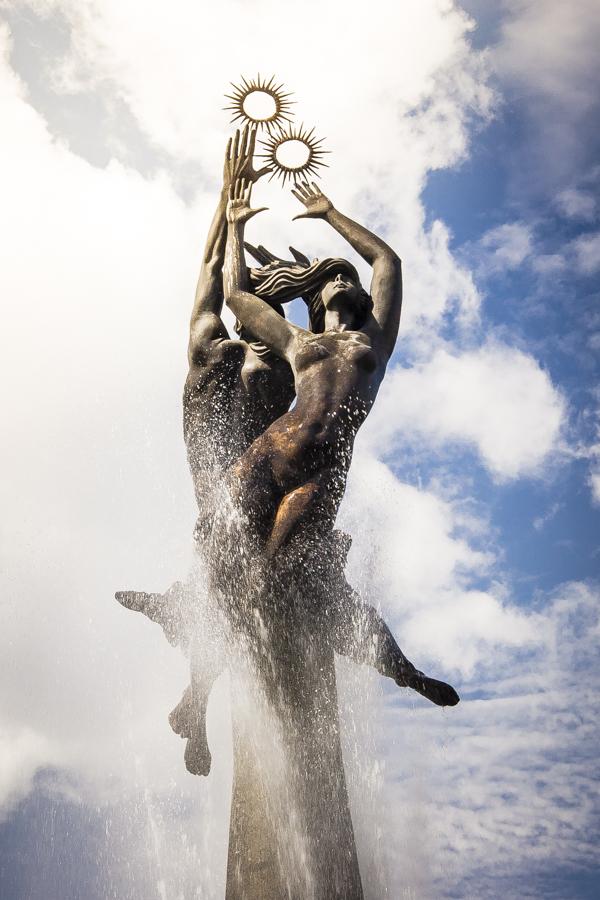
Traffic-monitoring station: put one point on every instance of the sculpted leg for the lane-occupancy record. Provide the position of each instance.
(363, 636)
(176, 612)
(252, 484)
(168, 610)
(312, 504)
(207, 649)
(188, 719)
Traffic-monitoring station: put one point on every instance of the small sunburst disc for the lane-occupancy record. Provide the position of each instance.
(260, 102)
(293, 153)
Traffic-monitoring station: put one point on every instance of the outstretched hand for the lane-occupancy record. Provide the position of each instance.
(239, 158)
(316, 203)
(238, 206)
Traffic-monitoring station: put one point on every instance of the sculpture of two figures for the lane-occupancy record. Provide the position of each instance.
(268, 597)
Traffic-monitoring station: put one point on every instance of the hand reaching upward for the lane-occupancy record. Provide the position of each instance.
(317, 204)
(238, 207)
(239, 156)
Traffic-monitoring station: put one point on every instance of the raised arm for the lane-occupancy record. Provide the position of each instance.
(255, 315)
(386, 283)
(206, 323)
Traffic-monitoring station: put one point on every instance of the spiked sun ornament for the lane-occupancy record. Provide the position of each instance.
(258, 85)
(314, 154)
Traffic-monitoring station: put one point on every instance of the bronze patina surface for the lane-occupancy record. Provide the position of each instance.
(273, 604)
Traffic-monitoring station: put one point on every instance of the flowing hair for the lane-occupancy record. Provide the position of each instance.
(280, 281)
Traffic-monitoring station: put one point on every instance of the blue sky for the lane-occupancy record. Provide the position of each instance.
(556, 319)
(466, 136)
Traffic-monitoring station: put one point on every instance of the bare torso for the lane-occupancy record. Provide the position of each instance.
(338, 375)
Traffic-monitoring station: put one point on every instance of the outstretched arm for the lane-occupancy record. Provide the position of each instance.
(254, 314)
(386, 284)
(206, 323)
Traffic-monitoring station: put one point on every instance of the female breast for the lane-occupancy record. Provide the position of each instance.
(346, 348)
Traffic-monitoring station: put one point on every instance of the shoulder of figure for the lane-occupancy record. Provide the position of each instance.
(206, 350)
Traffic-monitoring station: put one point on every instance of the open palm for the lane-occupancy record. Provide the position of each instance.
(238, 206)
(239, 158)
(316, 203)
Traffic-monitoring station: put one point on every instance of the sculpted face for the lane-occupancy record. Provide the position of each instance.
(340, 287)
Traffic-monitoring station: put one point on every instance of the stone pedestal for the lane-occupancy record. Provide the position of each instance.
(291, 834)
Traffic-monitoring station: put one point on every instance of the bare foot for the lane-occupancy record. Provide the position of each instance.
(438, 692)
(181, 718)
(164, 609)
(139, 601)
(197, 755)
(188, 720)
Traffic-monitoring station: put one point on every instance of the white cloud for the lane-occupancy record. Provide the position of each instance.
(506, 247)
(595, 483)
(413, 555)
(576, 203)
(22, 753)
(541, 521)
(495, 398)
(547, 55)
(587, 253)
(99, 270)
(548, 264)
(592, 453)
(393, 129)
(548, 48)
(513, 244)
(100, 266)
(500, 794)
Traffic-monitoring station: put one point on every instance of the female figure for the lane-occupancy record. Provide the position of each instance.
(292, 478)
(295, 473)
(234, 390)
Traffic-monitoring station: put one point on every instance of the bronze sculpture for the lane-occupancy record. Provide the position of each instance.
(280, 588)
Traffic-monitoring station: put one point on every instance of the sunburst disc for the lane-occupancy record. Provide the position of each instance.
(293, 153)
(261, 102)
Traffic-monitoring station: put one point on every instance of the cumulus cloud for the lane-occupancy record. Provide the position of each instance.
(495, 398)
(100, 264)
(516, 244)
(593, 455)
(546, 54)
(420, 558)
(22, 753)
(587, 253)
(393, 129)
(506, 247)
(515, 764)
(548, 264)
(595, 483)
(99, 269)
(576, 203)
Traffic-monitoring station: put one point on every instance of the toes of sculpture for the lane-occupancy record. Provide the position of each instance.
(197, 755)
(135, 600)
(437, 692)
(188, 721)
(181, 718)
(167, 609)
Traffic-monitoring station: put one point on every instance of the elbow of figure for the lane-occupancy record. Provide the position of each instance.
(236, 295)
(213, 261)
(394, 260)
(232, 298)
(390, 260)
